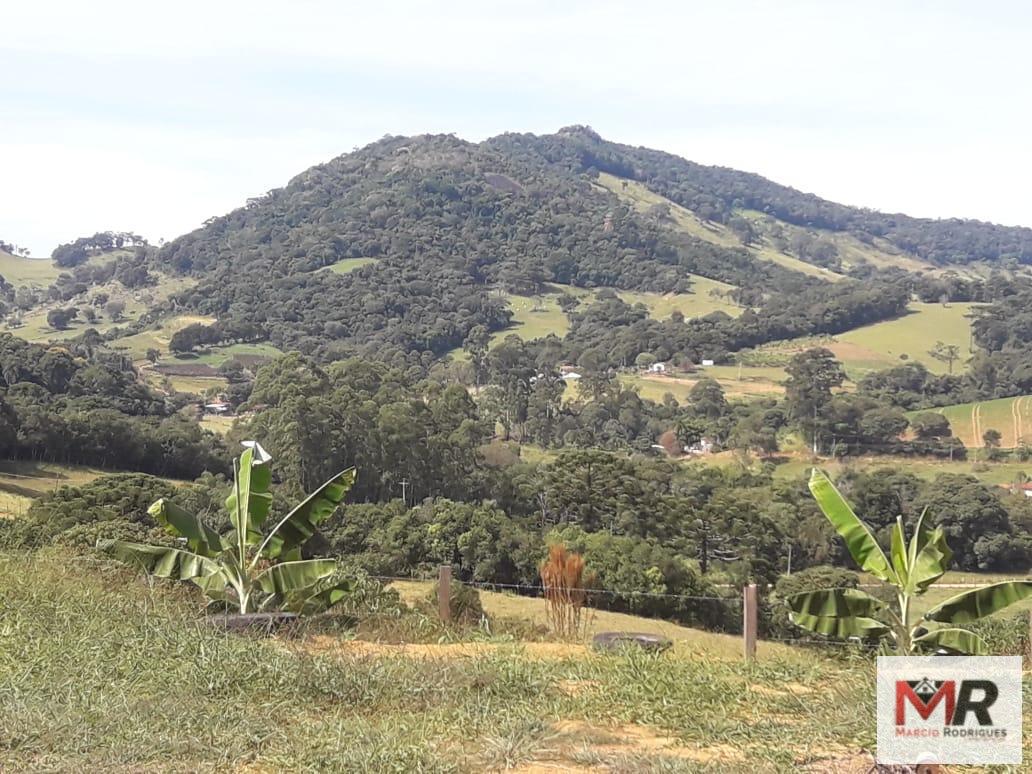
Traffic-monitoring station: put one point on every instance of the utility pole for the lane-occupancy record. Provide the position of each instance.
(404, 490)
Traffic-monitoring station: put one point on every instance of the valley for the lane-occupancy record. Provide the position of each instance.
(530, 358)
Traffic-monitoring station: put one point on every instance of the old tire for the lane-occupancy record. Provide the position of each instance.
(613, 641)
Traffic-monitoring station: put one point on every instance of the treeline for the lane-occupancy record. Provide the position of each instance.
(715, 193)
(197, 335)
(76, 404)
(620, 331)
(79, 251)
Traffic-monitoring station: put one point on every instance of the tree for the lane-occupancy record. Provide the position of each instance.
(811, 377)
(849, 613)
(644, 360)
(115, 308)
(992, 440)
(929, 426)
(707, 398)
(244, 567)
(945, 353)
(475, 346)
(743, 229)
(153, 355)
(971, 514)
(58, 319)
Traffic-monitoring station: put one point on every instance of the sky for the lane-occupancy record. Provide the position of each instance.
(148, 117)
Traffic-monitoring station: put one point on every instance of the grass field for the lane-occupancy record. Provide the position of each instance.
(22, 481)
(881, 345)
(216, 424)
(535, 611)
(136, 346)
(27, 271)
(1011, 416)
(889, 343)
(350, 264)
(744, 382)
(995, 473)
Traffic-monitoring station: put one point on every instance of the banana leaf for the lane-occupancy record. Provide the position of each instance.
(201, 538)
(931, 561)
(898, 551)
(835, 603)
(861, 543)
(163, 561)
(252, 484)
(956, 641)
(295, 529)
(289, 578)
(845, 628)
(978, 603)
(323, 597)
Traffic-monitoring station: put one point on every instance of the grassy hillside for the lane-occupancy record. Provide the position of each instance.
(538, 316)
(883, 344)
(137, 301)
(887, 344)
(22, 481)
(27, 271)
(643, 199)
(102, 696)
(992, 473)
(40, 272)
(1011, 416)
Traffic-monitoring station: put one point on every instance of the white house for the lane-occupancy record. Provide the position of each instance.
(657, 368)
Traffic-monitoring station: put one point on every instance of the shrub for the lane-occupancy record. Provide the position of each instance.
(466, 608)
(566, 585)
(774, 613)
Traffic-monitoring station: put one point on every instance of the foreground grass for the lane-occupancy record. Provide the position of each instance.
(99, 671)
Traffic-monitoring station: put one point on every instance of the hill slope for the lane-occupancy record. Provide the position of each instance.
(426, 237)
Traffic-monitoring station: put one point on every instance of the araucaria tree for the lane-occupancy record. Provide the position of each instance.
(909, 569)
(245, 567)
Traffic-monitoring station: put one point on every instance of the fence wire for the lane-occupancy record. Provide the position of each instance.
(488, 586)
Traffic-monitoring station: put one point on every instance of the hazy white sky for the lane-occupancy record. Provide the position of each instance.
(152, 117)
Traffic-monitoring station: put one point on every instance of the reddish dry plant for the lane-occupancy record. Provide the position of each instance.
(566, 585)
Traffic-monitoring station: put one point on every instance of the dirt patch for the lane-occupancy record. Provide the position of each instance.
(188, 369)
(783, 689)
(324, 643)
(748, 385)
(577, 687)
(856, 763)
(630, 739)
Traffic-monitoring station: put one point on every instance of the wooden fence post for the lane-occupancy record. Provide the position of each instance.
(749, 621)
(444, 592)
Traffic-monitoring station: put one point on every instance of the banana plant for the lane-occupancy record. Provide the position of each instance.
(248, 568)
(909, 569)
